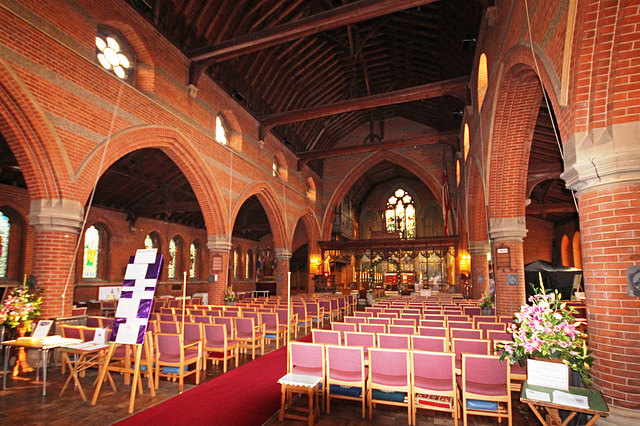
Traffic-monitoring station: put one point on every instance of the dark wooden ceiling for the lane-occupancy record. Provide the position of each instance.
(281, 56)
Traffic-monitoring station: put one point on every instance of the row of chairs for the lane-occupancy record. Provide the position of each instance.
(408, 378)
(485, 330)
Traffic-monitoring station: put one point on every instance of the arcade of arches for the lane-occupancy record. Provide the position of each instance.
(101, 155)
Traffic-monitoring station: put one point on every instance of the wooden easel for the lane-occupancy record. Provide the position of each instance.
(127, 369)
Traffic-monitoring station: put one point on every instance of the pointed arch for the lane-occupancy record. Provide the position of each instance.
(272, 207)
(32, 139)
(361, 168)
(176, 146)
(307, 216)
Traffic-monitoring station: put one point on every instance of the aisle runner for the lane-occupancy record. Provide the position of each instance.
(248, 395)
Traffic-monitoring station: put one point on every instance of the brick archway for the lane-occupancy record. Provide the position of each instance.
(32, 139)
(361, 168)
(177, 148)
(307, 216)
(272, 208)
(476, 212)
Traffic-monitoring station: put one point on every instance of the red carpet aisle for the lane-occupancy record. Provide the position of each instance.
(248, 395)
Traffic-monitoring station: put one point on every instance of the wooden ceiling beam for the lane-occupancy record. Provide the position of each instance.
(341, 16)
(455, 87)
(448, 138)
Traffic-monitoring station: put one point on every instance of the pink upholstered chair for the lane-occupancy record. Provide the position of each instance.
(465, 333)
(459, 324)
(469, 346)
(434, 387)
(389, 379)
(372, 328)
(364, 340)
(316, 314)
(394, 341)
(308, 359)
(477, 319)
(356, 320)
(230, 326)
(76, 312)
(203, 319)
(274, 330)
(304, 321)
(434, 331)
(250, 335)
(389, 315)
(432, 323)
(487, 326)
(429, 343)
(404, 321)
(363, 314)
(171, 327)
(172, 358)
(456, 317)
(345, 374)
(326, 337)
(485, 387)
(194, 337)
(402, 329)
(283, 317)
(385, 321)
(343, 327)
(217, 347)
(329, 313)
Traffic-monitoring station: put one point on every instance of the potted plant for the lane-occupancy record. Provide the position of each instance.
(230, 296)
(18, 311)
(547, 329)
(485, 303)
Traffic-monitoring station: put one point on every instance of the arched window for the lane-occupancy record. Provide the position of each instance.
(148, 242)
(193, 261)
(91, 252)
(275, 168)
(566, 252)
(113, 53)
(401, 214)
(248, 264)
(457, 172)
(577, 250)
(483, 80)
(221, 131)
(152, 240)
(5, 227)
(173, 258)
(236, 264)
(466, 141)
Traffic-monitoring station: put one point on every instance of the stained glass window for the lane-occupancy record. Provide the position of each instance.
(193, 256)
(236, 264)
(275, 169)
(91, 249)
(148, 242)
(112, 55)
(401, 214)
(247, 264)
(4, 244)
(173, 253)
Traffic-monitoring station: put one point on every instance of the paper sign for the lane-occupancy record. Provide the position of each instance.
(42, 329)
(548, 374)
(100, 336)
(127, 308)
(145, 256)
(578, 401)
(538, 396)
(136, 271)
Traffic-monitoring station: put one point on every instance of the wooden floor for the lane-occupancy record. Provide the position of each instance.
(22, 403)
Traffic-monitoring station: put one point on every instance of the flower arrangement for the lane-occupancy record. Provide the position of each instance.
(21, 307)
(230, 295)
(547, 329)
(485, 300)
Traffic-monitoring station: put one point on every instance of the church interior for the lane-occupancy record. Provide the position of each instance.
(367, 150)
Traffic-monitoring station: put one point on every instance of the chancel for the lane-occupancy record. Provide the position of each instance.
(372, 167)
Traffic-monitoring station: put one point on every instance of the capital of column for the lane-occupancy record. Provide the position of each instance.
(507, 228)
(283, 254)
(219, 243)
(479, 247)
(602, 156)
(58, 215)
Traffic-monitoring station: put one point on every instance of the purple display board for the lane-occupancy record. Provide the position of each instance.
(136, 297)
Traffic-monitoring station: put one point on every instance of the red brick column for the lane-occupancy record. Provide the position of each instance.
(282, 271)
(603, 169)
(57, 224)
(479, 267)
(610, 232)
(219, 248)
(508, 233)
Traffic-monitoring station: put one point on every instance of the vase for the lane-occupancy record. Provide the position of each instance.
(485, 311)
(22, 365)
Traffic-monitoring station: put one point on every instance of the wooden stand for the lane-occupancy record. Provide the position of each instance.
(297, 383)
(128, 370)
(22, 365)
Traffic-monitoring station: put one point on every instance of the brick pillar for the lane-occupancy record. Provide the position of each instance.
(219, 247)
(508, 233)
(608, 191)
(283, 256)
(56, 224)
(479, 267)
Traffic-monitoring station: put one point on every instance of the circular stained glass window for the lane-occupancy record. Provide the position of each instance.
(112, 56)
